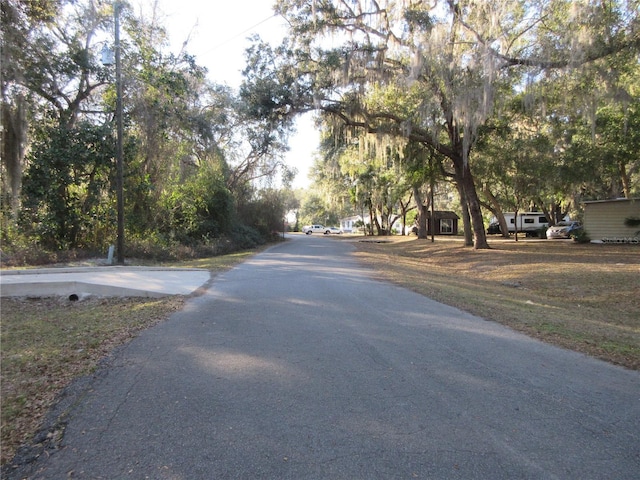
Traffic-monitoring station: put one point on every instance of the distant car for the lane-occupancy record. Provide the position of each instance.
(309, 229)
(563, 229)
(334, 230)
(494, 228)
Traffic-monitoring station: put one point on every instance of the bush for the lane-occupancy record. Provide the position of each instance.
(65, 188)
(581, 236)
(156, 249)
(151, 248)
(243, 237)
(198, 210)
(30, 255)
(264, 214)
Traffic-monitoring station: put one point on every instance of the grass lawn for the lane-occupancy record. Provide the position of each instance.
(585, 297)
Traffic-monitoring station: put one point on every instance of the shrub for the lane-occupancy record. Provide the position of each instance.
(65, 189)
(198, 210)
(244, 237)
(581, 236)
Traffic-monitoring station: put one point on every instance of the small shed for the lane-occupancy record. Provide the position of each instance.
(604, 220)
(446, 222)
(348, 224)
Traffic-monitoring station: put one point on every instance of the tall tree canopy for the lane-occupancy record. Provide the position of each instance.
(196, 159)
(432, 72)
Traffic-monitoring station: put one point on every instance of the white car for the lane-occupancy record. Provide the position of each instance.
(563, 229)
(334, 230)
(309, 229)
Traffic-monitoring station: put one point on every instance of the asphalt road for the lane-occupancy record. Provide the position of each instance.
(299, 364)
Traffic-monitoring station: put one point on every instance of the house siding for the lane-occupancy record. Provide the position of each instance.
(347, 224)
(604, 221)
(448, 227)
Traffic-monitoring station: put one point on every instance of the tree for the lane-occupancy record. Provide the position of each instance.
(266, 212)
(447, 58)
(66, 186)
(198, 209)
(518, 168)
(46, 71)
(603, 151)
(314, 209)
(573, 140)
(178, 128)
(424, 169)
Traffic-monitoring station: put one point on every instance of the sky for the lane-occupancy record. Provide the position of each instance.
(217, 32)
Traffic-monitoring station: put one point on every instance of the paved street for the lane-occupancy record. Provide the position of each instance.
(299, 364)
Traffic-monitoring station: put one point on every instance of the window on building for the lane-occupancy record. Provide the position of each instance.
(446, 225)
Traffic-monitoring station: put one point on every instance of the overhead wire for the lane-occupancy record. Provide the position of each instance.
(230, 39)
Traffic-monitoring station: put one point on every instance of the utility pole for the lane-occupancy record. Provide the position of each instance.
(120, 132)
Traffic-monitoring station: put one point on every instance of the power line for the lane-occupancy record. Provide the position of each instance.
(230, 39)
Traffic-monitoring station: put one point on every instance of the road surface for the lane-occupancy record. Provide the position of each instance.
(299, 364)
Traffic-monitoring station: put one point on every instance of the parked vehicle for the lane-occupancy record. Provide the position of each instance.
(530, 223)
(309, 229)
(332, 230)
(563, 229)
(494, 228)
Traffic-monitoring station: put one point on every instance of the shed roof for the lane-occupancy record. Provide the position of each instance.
(444, 214)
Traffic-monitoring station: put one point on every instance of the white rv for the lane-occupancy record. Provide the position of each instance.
(531, 223)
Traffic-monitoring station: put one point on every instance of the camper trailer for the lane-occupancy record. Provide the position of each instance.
(530, 223)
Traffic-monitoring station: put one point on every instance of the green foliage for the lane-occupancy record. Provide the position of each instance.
(194, 150)
(418, 19)
(244, 237)
(632, 222)
(191, 148)
(437, 73)
(581, 236)
(66, 185)
(315, 209)
(18, 249)
(199, 209)
(515, 160)
(265, 213)
(602, 150)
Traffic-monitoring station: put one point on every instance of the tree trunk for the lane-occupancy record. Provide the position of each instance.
(497, 211)
(473, 223)
(404, 210)
(479, 234)
(467, 224)
(624, 178)
(371, 219)
(422, 214)
(14, 124)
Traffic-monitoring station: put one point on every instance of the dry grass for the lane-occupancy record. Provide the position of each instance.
(585, 297)
(46, 343)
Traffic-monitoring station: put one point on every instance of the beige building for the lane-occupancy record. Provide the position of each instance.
(604, 220)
